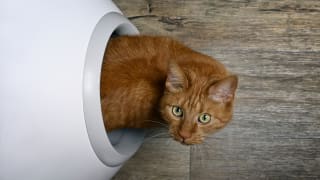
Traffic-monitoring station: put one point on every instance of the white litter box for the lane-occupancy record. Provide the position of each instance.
(51, 124)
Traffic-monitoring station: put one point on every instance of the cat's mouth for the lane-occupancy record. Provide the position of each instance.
(186, 142)
(181, 140)
(194, 139)
(189, 142)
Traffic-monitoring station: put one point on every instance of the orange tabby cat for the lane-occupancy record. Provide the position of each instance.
(147, 79)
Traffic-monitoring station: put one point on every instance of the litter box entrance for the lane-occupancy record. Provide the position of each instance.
(116, 147)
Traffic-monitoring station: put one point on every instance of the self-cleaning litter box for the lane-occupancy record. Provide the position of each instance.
(51, 124)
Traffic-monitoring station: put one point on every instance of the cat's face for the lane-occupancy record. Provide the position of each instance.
(196, 109)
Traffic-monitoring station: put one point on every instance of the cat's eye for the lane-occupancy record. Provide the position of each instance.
(177, 111)
(204, 118)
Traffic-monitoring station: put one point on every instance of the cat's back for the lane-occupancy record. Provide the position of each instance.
(128, 47)
(132, 77)
(130, 60)
(137, 60)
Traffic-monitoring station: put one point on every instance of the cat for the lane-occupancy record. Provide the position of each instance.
(150, 80)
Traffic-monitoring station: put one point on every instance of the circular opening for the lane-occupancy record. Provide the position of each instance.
(117, 146)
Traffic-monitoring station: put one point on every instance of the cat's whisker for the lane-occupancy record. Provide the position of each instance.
(157, 135)
(168, 141)
(207, 145)
(207, 149)
(202, 149)
(209, 137)
(157, 122)
(195, 148)
(199, 149)
(152, 131)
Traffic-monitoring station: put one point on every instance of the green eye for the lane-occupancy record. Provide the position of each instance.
(204, 118)
(177, 111)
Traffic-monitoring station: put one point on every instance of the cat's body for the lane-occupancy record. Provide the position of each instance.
(144, 79)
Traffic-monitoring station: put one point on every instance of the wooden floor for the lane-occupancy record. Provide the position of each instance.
(274, 47)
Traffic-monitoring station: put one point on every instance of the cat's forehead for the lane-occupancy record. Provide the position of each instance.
(196, 105)
(195, 78)
(196, 101)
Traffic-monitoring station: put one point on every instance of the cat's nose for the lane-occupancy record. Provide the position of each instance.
(185, 134)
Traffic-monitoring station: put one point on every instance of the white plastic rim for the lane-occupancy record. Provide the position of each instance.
(113, 149)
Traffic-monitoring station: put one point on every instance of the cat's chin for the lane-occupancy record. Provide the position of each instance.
(189, 143)
(186, 142)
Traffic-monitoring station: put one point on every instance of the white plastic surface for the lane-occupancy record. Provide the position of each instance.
(43, 135)
(124, 142)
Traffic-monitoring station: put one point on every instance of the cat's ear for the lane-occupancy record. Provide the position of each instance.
(223, 91)
(176, 80)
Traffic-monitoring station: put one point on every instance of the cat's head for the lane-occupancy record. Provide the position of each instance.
(195, 107)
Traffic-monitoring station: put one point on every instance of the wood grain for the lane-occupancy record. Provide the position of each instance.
(274, 47)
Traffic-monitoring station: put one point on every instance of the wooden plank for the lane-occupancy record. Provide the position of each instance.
(256, 158)
(232, 24)
(274, 47)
